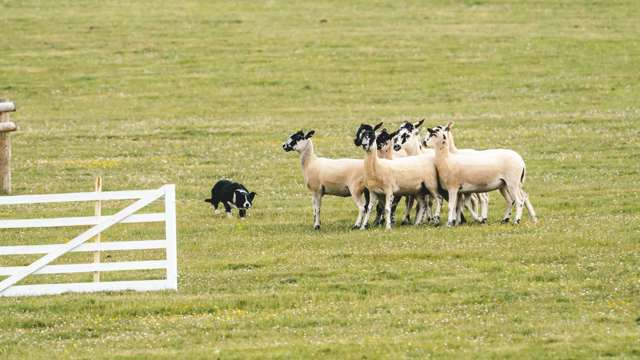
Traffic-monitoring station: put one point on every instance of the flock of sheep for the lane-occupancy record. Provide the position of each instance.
(426, 170)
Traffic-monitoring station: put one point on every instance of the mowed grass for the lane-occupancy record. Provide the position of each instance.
(146, 93)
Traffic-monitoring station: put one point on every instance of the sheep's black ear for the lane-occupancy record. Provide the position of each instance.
(417, 125)
(309, 134)
(252, 195)
(431, 131)
(393, 134)
(377, 127)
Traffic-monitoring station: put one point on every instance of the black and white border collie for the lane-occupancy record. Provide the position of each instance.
(231, 195)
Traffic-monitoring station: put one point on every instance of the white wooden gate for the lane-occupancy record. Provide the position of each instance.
(8, 286)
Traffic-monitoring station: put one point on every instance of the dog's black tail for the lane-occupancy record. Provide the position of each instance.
(208, 201)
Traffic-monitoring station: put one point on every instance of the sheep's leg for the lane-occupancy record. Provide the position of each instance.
(421, 209)
(516, 195)
(453, 202)
(507, 212)
(484, 207)
(361, 203)
(471, 203)
(316, 201)
(438, 210)
(428, 202)
(387, 209)
(462, 198)
(530, 210)
(379, 213)
(394, 207)
(476, 203)
(407, 210)
(373, 201)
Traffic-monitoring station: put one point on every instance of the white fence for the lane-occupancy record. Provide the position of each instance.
(15, 274)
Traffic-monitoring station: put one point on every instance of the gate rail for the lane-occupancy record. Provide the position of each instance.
(15, 274)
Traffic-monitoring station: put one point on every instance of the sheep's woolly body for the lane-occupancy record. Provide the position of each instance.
(322, 176)
(331, 176)
(402, 176)
(474, 202)
(481, 171)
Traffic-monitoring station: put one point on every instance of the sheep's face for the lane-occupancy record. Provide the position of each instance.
(406, 131)
(429, 139)
(441, 139)
(383, 139)
(403, 135)
(366, 136)
(297, 141)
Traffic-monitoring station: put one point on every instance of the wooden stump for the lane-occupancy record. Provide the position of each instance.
(6, 126)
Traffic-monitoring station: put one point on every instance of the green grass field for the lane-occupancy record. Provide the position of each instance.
(146, 93)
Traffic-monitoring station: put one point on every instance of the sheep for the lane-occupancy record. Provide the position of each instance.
(412, 175)
(406, 130)
(322, 176)
(384, 142)
(481, 171)
(475, 202)
(407, 138)
(485, 199)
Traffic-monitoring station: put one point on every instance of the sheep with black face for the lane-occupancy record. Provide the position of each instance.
(323, 176)
(413, 175)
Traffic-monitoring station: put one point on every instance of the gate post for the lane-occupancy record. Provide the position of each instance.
(6, 126)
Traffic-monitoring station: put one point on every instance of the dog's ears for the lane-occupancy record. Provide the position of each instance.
(251, 196)
(417, 125)
(309, 134)
(377, 127)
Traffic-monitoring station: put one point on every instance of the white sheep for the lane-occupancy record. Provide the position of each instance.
(475, 203)
(408, 139)
(384, 144)
(406, 130)
(322, 176)
(412, 175)
(481, 171)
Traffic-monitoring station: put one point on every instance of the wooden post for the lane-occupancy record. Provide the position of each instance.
(6, 126)
(98, 212)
